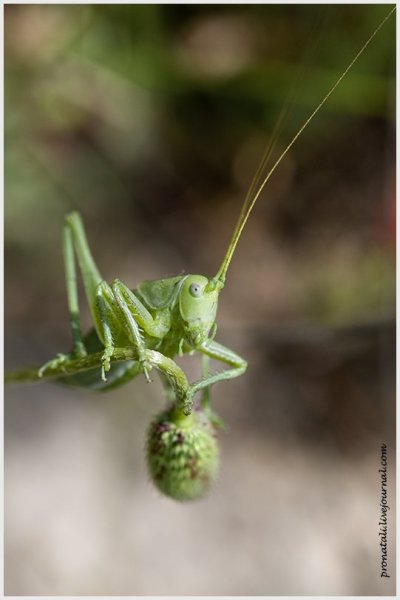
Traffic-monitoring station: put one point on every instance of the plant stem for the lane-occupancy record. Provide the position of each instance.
(70, 367)
(166, 365)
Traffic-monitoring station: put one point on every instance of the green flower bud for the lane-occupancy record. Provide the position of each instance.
(182, 454)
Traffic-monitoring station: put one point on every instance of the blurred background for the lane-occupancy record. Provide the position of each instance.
(151, 121)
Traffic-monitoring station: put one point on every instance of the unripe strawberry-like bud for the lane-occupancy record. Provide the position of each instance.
(182, 454)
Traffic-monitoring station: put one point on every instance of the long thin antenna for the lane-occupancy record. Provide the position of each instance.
(219, 279)
(280, 122)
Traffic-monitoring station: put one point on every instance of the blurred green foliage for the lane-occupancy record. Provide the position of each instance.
(149, 118)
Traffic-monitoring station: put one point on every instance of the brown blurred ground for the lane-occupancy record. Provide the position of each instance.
(150, 121)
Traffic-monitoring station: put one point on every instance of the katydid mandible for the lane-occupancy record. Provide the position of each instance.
(161, 319)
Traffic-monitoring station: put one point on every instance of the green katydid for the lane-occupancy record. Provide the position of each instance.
(138, 329)
(170, 316)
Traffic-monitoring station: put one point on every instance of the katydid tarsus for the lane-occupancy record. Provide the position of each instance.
(136, 330)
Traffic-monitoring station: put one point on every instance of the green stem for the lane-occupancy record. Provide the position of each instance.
(166, 365)
(70, 367)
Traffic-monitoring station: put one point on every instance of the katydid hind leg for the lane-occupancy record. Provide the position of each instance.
(75, 243)
(73, 239)
(72, 293)
(100, 298)
(90, 274)
(102, 304)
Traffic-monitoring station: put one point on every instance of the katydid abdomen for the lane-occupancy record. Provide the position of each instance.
(119, 373)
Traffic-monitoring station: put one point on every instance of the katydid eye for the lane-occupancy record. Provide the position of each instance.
(195, 290)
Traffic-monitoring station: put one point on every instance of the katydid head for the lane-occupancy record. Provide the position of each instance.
(198, 300)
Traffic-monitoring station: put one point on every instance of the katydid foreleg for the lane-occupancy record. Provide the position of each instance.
(205, 372)
(135, 314)
(205, 401)
(219, 352)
